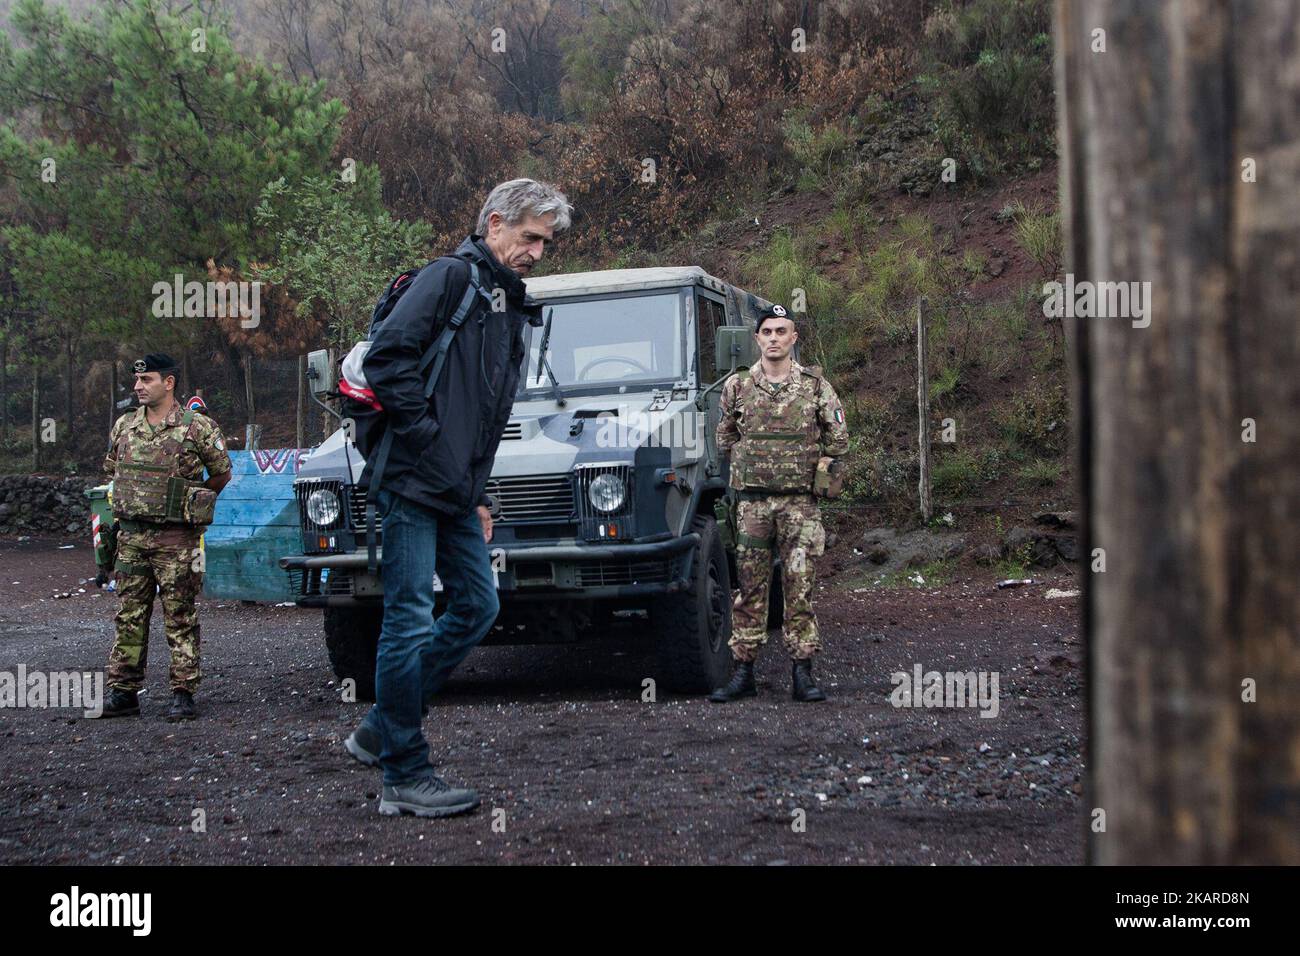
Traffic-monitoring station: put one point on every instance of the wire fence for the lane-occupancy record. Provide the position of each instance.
(273, 395)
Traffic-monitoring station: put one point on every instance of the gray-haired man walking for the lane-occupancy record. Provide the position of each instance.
(431, 499)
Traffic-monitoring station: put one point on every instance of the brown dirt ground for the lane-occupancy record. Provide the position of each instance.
(559, 740)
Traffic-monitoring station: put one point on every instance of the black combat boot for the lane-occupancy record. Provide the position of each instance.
(803, 687)
(740, 685)
(182, 707)
(121, 703)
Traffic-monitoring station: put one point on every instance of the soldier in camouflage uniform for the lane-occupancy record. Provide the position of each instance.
(156, 456)
(783, 426)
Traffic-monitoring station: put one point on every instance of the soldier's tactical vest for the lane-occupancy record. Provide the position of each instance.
(781, 440)
(153, 490)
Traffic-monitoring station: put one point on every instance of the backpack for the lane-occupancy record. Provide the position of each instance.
(370, 431)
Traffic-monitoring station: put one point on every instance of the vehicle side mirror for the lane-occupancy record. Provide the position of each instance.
(318, 371)
(734, 347)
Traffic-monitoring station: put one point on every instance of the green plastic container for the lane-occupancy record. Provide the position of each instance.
(102, 532)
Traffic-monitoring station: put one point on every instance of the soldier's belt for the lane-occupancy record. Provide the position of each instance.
(748, 494)
(749, 541)
(135, 524)
(778, 436)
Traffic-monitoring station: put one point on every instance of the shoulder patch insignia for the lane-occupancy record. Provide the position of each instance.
(839, 416)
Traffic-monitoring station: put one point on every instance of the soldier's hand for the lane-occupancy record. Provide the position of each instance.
(485, 519)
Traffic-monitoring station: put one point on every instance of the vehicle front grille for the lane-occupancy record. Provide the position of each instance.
(357, 508)
(591, 574)
(320, 583)
(534, 497)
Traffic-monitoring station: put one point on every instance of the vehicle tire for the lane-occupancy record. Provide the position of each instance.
(692, 627)
(776, 601)
(352, 639)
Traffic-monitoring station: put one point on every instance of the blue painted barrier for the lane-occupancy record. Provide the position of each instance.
(255, 524)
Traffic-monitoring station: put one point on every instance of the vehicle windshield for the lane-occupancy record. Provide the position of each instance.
(620, 339)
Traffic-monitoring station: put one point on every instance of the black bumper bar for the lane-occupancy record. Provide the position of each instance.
(556, 552)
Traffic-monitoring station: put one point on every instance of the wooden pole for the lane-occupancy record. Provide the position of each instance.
(248, 389)
(923, 407)
(4, 390)
(36, 419)
(1180, 153)
(302, 400)
(112, 394)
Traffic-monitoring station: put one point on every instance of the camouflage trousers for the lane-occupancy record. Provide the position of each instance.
(789, 527)
(145, 560)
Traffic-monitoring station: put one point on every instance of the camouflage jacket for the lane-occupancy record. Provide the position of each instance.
(134, 440)
(776, 432)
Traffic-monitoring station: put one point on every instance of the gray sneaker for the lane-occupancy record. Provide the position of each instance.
(432, 797)
(365, 745)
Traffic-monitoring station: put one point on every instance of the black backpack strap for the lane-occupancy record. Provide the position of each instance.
(436, 355)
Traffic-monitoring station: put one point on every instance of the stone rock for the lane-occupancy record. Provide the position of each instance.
(953, 548)
(1017, 538)
(891, 551)
(1067, 546)
(914, 558)
(1057, 519)
(1041, 547)
(878, 536)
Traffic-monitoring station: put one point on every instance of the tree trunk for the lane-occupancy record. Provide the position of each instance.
(1198, 601)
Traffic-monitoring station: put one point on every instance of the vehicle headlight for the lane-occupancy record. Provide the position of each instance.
(323, 507)
(607, 493)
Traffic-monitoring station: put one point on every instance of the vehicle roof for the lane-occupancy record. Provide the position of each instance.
(620, 280)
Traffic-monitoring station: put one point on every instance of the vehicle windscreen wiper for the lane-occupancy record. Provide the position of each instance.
(542, 363)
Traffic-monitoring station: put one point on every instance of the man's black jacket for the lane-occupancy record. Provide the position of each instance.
(443, 448)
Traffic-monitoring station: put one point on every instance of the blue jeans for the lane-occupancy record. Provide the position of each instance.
(416, 654)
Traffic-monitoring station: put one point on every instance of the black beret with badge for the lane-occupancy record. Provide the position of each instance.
(155, 362)
(772, 311)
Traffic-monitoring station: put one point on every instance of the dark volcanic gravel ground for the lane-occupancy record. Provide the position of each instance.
(569, 760)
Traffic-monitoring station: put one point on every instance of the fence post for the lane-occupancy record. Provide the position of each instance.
(302, 403)
(923, 407)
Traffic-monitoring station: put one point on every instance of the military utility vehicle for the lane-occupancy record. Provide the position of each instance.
(603, 487)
